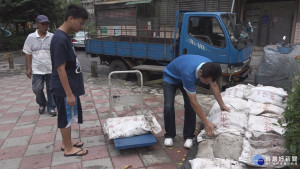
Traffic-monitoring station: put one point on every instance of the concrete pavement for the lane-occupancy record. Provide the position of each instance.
(29, 140)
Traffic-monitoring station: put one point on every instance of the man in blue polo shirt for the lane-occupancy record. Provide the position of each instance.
(183, 73)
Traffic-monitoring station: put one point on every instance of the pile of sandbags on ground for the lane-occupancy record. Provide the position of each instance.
(250, 128)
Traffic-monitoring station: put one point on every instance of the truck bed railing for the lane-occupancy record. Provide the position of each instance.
(162, 34)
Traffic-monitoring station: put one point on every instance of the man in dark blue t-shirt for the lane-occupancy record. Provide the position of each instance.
(183, 73)
(67, 80)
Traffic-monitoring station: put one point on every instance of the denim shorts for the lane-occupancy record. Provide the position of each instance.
(68, 115)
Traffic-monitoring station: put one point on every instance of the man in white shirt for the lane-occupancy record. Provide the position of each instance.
(38, 63)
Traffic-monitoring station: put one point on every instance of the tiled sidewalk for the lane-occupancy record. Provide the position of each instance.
(29, 140)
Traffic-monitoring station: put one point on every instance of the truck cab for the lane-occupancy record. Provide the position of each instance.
(217, 36)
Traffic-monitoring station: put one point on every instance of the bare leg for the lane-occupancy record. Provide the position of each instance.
(67, 142)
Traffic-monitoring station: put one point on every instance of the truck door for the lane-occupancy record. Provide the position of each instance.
(204, 35)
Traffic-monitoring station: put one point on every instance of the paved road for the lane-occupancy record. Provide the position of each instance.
(103, 70)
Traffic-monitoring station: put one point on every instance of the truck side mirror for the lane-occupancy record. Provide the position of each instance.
(284, 38)
(249, 27)
(238, 29)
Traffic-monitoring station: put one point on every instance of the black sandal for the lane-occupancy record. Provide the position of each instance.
(76, 154)
(77, 144)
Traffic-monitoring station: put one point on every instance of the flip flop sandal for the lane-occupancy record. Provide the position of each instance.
(76, 154)
(77, 144)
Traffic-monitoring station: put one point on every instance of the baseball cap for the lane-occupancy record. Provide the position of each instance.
(42, 18)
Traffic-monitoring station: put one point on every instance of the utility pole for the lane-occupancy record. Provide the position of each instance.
(232, 6)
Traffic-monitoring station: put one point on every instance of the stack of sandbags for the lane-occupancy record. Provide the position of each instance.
(250, 128)
(264, 135)
(231, 127)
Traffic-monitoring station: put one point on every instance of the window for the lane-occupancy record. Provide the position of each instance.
(207, 30)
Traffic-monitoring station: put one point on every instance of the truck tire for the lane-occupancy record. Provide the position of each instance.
(118, 65)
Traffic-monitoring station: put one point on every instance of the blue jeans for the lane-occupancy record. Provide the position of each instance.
(169, 113)
(38, 87)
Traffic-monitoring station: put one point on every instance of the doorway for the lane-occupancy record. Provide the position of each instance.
(271, 21)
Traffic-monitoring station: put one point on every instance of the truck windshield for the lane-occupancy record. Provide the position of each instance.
(229, 21)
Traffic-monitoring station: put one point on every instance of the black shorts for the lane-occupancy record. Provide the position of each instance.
(67, 114)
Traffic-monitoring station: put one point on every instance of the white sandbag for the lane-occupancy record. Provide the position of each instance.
(277, 91)
(206, 149)
(236, 91)
(234, 121)
(232, 103)
(155, 126)
(215, 163)
(265, 144)
(228, 146)
(130, 126)
(264, 125)
(264, 97)
(268, 110)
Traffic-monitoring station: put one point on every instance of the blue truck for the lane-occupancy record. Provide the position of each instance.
(215, 35)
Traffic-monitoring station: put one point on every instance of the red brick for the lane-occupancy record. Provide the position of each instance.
(42, 138)
(30, 108)
(6, 127)
(96, 153)
(103, 109)
(87, 106)
(178, 121)
(163, 166)
(101, 101)
(95, 131)
(29, 118)
(38, 161)
(12, 152)
(179, 113)
(85, 98)
(21, 132)
(12, 115)
(47, 122)
(68, 166)
(124, 160)
(98, 93)
(177, 153)
(90, 117)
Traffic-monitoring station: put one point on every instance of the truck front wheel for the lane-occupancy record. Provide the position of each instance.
(118, 65)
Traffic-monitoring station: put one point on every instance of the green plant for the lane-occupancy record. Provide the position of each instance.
(89, 26)
(292, 117)
(11, 43)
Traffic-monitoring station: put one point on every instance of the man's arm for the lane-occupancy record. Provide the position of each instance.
(65, 83)
(216, 92)
(209, 126)
(28, 66)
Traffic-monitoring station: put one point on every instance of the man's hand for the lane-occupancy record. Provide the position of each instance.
(29, 73)
(225, 108)
(71, 100)
(209, 129)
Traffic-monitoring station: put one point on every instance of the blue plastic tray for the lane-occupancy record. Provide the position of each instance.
(135, 141)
